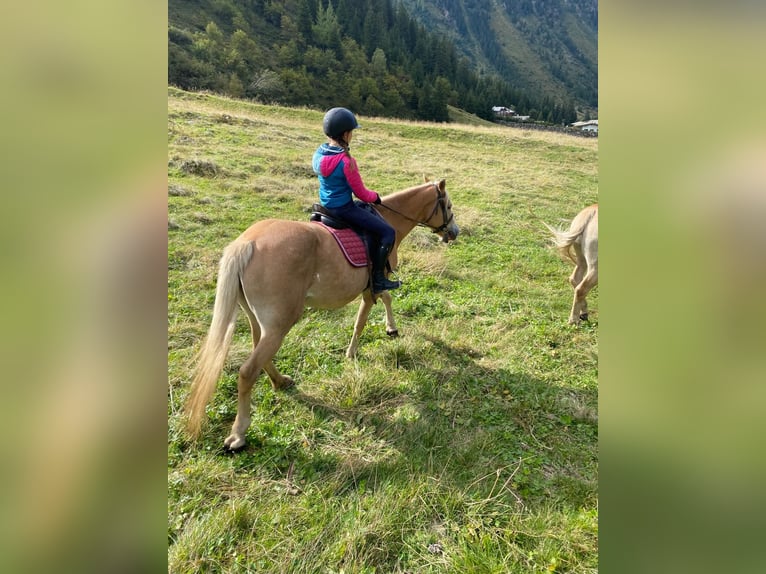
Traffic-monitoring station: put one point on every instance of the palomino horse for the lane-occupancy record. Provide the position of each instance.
(274, 270)
(582, 238)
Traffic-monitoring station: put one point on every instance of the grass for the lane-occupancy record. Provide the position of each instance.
(469, 444)
(459, 116)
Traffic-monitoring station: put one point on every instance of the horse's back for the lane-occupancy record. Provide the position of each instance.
(300, 261)
(279, 232)
(293, 241)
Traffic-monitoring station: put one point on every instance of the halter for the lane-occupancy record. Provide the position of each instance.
(440, 202)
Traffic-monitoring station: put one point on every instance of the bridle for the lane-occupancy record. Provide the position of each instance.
(441, 201)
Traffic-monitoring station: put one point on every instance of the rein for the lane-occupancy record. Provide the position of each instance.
(440, 202)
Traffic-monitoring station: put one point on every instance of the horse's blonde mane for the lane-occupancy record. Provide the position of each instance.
(411, 190)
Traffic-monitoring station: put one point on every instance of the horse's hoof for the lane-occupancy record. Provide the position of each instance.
(394, 333)
(583, 317)
(234, 443)
(286, 383)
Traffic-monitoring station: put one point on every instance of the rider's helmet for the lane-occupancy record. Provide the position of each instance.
(338, 121)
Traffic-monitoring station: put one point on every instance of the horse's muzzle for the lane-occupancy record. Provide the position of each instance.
(451, 233)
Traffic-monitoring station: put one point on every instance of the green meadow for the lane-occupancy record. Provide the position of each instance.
(469, 443)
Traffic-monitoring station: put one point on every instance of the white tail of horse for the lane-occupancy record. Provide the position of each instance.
(580, 245)
(213, 353)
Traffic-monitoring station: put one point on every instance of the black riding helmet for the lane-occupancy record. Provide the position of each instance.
(338, 121)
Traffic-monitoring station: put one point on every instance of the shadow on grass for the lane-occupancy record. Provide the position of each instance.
(487, 433)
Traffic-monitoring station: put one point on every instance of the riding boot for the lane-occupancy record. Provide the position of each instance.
(379, 280)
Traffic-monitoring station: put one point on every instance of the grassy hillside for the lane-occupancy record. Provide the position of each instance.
(459, 116)
(469, 444)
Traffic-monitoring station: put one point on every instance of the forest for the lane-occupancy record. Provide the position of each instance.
(367, 55)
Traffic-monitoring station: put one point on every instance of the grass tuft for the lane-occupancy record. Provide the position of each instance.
(199, 167)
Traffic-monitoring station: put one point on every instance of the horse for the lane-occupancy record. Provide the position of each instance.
(275, 269)
(580, 244)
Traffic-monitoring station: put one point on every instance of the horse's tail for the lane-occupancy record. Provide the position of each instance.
(563, 239)
(213, 353)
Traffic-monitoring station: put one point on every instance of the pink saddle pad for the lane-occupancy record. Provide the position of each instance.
(350, 244)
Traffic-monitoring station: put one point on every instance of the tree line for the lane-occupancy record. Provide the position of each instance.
(367, 55)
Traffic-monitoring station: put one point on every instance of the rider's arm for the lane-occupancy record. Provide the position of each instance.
(351, 172)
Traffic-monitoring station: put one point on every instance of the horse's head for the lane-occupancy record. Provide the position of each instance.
(414, 203)
(442, 221)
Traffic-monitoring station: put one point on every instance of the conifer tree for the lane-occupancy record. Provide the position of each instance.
(326, 31)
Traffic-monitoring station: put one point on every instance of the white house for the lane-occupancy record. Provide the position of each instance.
(587, 126)
(503, 111)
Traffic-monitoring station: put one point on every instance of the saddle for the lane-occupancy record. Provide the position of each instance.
(354, 243)
(319, 213)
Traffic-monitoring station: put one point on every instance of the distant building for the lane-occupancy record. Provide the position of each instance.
(587, 126)
(502, 111)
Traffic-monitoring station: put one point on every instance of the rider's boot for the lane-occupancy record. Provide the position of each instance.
(379, 280)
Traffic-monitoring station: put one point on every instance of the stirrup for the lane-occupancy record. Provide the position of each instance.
(384, 285)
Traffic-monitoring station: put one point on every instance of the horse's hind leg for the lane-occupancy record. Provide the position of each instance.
(576, 277)
(579, 310)
(265, 349)
(580, 305)
(581, 265)
(278, 380)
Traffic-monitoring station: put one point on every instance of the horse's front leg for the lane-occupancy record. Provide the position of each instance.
(391, 329)
(361, 321)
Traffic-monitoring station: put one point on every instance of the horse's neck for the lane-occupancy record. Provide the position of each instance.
(414, 203)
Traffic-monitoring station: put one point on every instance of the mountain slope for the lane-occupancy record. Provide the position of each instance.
(548, 47)
(368, 55)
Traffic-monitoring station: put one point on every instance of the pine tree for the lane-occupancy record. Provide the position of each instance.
(373, 31)
(306, 14)
(378, 62)
(326, 31)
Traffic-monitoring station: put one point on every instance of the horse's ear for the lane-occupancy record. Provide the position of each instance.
(442, 184)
